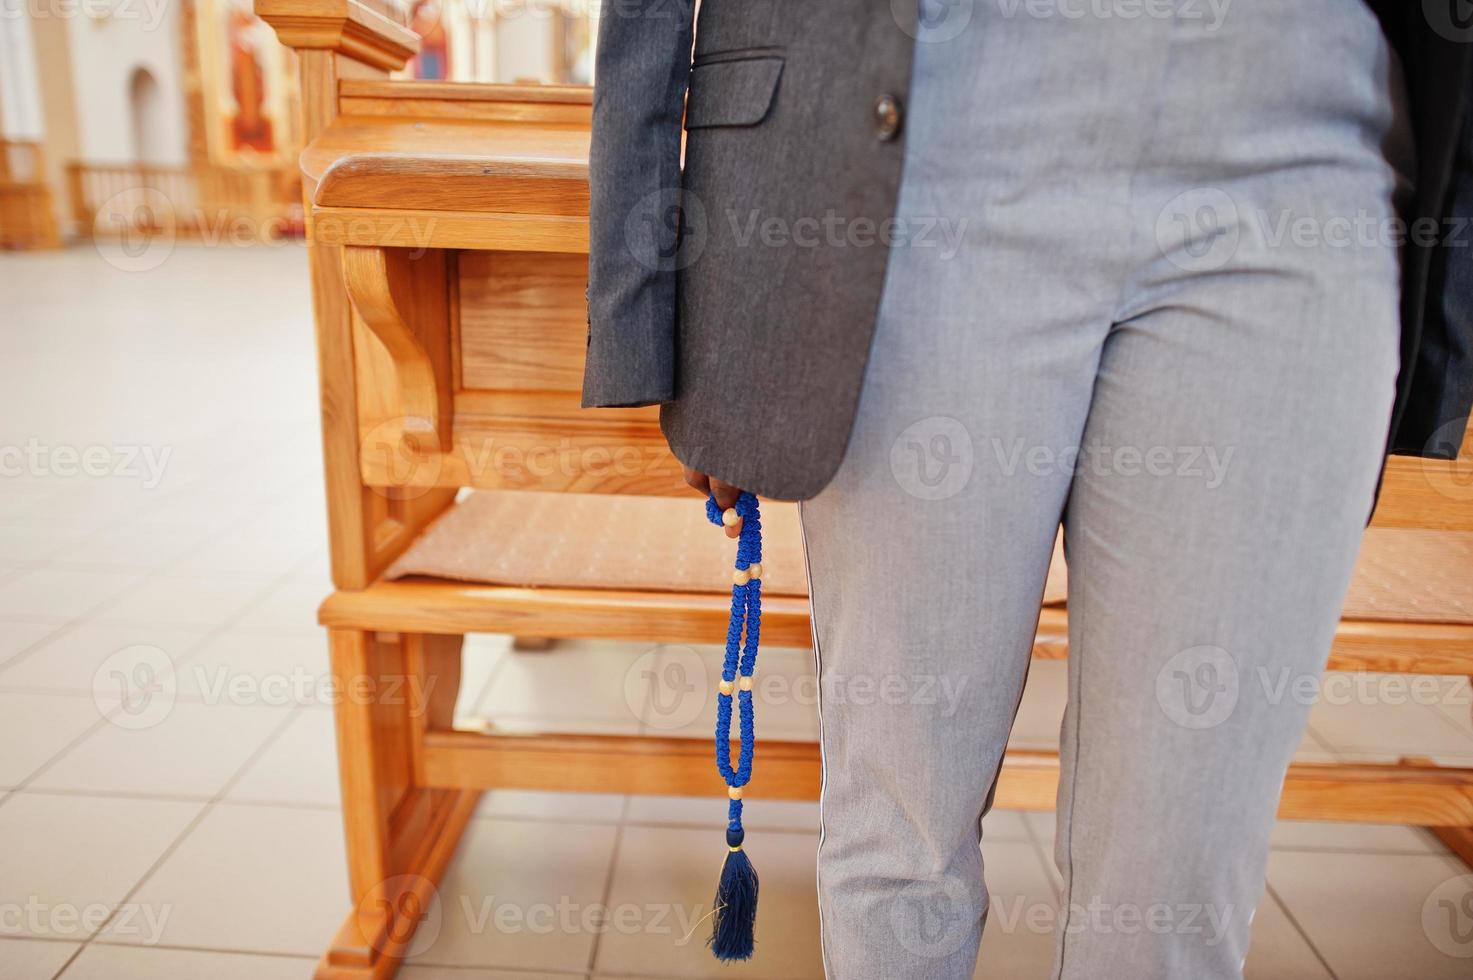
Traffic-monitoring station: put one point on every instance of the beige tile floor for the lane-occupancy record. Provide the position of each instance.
(206, 841)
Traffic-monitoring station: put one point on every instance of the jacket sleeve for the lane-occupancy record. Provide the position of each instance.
(641, 69)
(1432, 420)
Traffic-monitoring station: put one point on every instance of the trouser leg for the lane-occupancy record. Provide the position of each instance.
(1205, 588)
(927, 557)
(924, 614)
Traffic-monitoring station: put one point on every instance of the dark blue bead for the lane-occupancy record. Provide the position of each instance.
(735, 836)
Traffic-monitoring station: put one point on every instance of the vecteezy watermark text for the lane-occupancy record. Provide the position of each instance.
(148, 13)
(37, 459)
(1202, 462)
(35, 916)
(834, 230)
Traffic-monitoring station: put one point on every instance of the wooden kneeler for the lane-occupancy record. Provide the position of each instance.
(448, 244)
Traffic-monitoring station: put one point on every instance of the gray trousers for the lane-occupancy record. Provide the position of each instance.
(1144, 281)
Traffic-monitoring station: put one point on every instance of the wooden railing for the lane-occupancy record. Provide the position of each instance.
(27, 218)
(213, 204)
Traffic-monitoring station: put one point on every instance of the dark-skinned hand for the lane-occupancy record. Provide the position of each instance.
(726, 495)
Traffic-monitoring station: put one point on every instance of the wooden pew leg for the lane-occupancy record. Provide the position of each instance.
(391, 689)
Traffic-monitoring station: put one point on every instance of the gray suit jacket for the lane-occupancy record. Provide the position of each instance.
(756, 345)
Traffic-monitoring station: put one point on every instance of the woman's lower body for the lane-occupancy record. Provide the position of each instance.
(1145, 282)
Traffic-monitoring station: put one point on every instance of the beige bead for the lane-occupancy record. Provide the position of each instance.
(746, 682)
(735, 792)
(740, 576)
(755, 569)
(725, 686)
(730, 518)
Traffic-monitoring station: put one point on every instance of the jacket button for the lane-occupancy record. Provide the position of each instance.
(887, 117)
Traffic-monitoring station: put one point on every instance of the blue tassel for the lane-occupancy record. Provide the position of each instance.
(734, 924)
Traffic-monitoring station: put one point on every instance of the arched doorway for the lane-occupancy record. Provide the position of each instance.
(146, 104)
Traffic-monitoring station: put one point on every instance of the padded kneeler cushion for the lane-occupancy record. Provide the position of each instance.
(569, 540)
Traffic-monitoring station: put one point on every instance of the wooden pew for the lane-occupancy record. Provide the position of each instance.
(448, 254)
(27, 211)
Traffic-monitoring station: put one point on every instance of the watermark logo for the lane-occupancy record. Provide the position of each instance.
(400, 470)
(410, 907)
(941, 694)
(932, 918)
(1207, 464)
(1209, 922)
(932, 459)
(1451, 19)
(135, 230)
(1450, 478)
(404, 472)
(666, 231)
(1198, 687)
(36, 917)
(98, 462)
(935, 20)
(1447, 917)
(1198, 230)
(1202, 229)
(941, 234)
(1211, 13)
(489, 913)
(669, 685)
(135, 687)
(148, 14)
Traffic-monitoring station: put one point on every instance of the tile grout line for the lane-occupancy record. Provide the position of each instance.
(205, 634)
(491, 677)
(59, 629)
(190, 648)
(209, 806)
(1451, 723)
(205, 949)
(191, 651)
(1299, 928)
(135, 515)
(96, 726)
(89, 794)
(71, 622)
(608, 888)
(205, 810)
(226, 951)
(210, 540)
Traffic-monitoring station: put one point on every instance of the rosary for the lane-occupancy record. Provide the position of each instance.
(735, 913)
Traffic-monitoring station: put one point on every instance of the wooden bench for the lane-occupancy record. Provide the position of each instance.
(448, 259)
(27, 211)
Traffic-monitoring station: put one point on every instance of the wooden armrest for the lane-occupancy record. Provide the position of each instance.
(494, 167)
(449, 165)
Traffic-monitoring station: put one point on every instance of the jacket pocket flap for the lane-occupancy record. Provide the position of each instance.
(732, 93)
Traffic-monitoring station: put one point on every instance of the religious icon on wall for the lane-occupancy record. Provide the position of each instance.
(433, 61)
(249, 125)
(247, 82)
